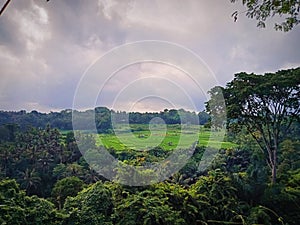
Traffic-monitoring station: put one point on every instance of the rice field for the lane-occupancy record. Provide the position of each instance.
(168, 137)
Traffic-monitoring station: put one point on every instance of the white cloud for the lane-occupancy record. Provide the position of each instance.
(33, 26)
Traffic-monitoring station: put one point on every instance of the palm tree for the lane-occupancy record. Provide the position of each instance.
(29, 180)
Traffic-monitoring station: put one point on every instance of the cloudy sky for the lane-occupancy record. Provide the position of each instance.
(47, 49)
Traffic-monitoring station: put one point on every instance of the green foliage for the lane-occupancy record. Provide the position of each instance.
(93, 206)
(180, 199)
(127, 174)
(289, 158)
(17, 208)
(65, 187)
(11, 203)
(258, 215)
(217, 197)
(282, 201)
(266, 105)
(262, 10)
(37, 152)
(40, 211)
(147, 208)
(216, 108)
(101, 115)
(29, 180)
(8, 132)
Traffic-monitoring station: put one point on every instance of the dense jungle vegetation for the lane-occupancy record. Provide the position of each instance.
(256, 180)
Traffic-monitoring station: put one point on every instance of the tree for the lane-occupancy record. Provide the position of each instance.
(264, 9)
(266, 105)
(289, 158)
(216, 107)
(38, 151)
(93, 205)
(217, 198)
(17, 208)
(12, 203)
(147, 208)
(65, 187)
(203, 117)
(30, 180)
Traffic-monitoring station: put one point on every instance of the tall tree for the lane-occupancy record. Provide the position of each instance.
(216, 107)
(266, 105)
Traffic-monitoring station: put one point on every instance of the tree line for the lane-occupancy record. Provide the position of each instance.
(101, 115)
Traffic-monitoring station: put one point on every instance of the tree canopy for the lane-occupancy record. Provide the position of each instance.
(287, 10)
(266, 105)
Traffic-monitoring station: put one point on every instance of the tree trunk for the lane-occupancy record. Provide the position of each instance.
(274, 166)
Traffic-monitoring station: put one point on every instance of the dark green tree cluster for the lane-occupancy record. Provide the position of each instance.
(233, 190)
(101, 116)
(267, 106)
(17, 208)
(38, 158)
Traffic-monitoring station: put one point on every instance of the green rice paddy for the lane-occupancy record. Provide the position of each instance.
(168, 137)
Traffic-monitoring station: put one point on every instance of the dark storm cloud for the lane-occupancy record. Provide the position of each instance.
(46, 47)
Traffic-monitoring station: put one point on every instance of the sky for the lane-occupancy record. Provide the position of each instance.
(48, 50)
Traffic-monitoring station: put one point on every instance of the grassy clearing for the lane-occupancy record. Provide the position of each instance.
(170, 137)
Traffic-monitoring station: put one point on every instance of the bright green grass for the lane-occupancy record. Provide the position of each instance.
(169, 138)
